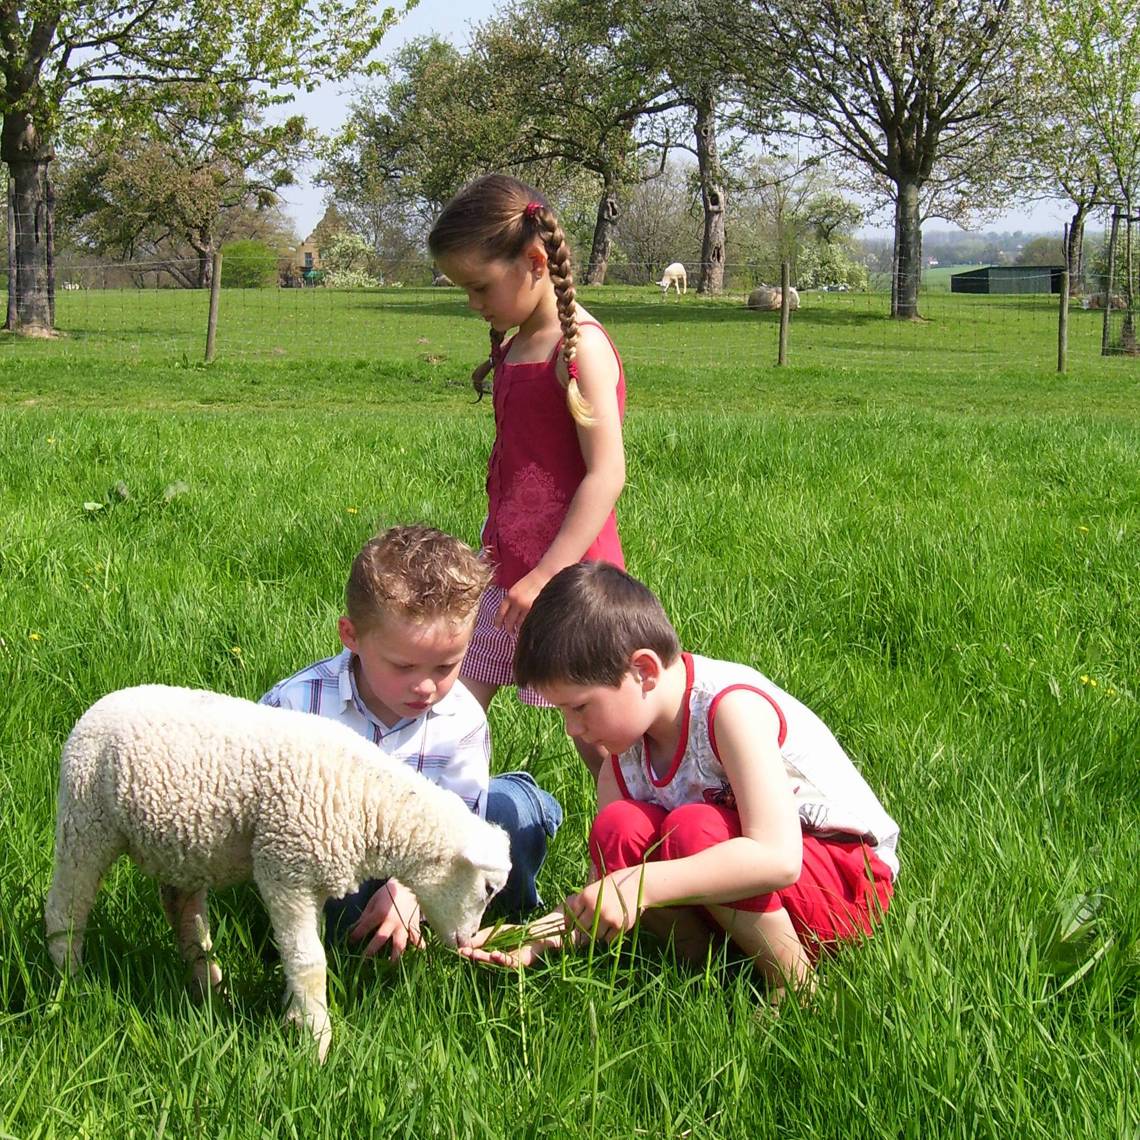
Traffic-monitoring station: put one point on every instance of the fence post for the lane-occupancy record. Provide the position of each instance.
(785, 309)
(215, 292)
(1063, 324)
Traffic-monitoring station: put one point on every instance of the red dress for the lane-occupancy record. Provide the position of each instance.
(535, 468)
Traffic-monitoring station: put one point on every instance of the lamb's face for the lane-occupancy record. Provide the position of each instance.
(454, 902)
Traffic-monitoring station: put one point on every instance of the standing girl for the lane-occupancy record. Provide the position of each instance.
(557, 465)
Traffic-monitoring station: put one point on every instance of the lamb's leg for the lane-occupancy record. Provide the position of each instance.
(295, 918)
(81, 860)
(189, 917)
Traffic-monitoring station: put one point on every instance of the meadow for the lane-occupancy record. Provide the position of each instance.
(922, 530)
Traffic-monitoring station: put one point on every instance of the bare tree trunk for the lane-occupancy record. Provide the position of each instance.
(1075, 248)
(29, 224)
(28, 269)
(712, 199)
(895, 263)
(604, 229)
(909, 234)
(11, 319)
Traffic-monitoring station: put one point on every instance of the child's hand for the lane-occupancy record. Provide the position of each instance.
(520, 597)
(616, 901)
(392, 918)
(515, 947)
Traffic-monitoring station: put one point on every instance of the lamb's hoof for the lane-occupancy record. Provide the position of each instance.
(320, 1029)
(206, 982)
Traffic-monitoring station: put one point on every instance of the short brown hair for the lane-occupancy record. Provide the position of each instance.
(585, 625)
(416, 572)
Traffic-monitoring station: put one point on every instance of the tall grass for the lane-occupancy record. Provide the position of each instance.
(941, 561)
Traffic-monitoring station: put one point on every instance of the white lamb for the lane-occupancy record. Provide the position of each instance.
(202, 789)
(674, 275)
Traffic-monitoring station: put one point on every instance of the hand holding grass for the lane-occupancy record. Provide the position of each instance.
(604, 910)
(516, 947)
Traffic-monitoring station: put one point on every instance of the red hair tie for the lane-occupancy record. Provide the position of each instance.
(572, 369)
(531, 210)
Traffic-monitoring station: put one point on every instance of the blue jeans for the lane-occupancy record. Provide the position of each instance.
(530, 815)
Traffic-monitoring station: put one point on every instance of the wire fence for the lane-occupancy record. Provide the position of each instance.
(1016, 317)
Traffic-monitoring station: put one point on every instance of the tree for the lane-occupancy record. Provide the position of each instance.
(1083, 63)
(584, 94)
(794, 213)
(248, 264)
(659, 225)
(164, 173)
(897, 87)
(60, 57)
(691, 41)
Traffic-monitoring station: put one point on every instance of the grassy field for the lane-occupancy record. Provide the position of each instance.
(921, 530)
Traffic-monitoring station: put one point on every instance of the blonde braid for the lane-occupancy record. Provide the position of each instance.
(562, 277)
(486, 367)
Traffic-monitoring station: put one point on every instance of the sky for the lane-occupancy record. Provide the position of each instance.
(327, 107)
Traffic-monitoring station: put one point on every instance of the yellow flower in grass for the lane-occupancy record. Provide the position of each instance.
(352, 511)
(34, 637)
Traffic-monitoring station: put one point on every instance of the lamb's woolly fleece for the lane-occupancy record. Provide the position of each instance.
(676, 276)
(202, 789)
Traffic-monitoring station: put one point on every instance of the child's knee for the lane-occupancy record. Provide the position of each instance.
(624, 834)
(693, 828)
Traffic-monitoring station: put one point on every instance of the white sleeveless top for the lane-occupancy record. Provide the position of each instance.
(831, 796)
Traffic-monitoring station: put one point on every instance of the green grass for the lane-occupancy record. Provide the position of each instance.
(921, 530)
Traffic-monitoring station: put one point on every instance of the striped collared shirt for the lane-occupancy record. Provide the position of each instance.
(450, 743)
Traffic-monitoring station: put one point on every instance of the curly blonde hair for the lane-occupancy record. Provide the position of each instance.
(500, 216)
(414, 572)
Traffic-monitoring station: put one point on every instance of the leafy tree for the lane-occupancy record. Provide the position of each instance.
(165, 178)
(574, 87)
(249, 264)
(794, 213)
(60, 58)
(1042, 250)
(1082, 59)
(691, 41)
(899, 88)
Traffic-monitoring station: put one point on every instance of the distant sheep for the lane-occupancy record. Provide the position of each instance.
(203, 790)
(768, 298)
(676, 276)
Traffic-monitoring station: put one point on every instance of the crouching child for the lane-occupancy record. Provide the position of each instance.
(410, 605)
(727, 805)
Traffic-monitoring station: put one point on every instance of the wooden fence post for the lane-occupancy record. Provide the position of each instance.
(785, 309)
(215, 292)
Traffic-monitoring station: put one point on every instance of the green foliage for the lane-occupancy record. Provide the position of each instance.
(248, 265)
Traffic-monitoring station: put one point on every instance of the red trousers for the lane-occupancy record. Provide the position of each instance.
(843, 889)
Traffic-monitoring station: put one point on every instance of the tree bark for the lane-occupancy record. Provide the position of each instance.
(604, 229)
(712, 199)
(29, 265)
(909, 234)
(1075, 248)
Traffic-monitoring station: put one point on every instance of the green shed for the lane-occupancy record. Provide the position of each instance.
(1008, 279)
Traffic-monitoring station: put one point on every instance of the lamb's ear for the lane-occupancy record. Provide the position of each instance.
(483, 857)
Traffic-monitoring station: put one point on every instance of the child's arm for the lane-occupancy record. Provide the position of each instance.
(765, 857)
(604, 456)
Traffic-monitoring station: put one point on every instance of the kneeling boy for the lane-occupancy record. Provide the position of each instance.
(410, 606)
(727, 804)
